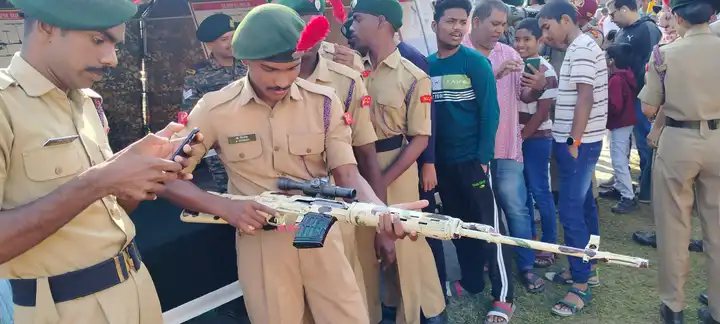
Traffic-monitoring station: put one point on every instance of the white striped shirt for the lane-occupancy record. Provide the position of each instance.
(584, 63)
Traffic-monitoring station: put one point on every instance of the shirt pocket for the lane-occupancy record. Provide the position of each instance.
(306, 145)
(241, 152)
(50, 163)
(390, 113)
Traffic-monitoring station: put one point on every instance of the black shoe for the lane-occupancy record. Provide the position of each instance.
(705, 316)
(670, 317)
(696, 246)
(612, 194)
(624, 206)
(645, 238)
(440, 319)
(703, 298)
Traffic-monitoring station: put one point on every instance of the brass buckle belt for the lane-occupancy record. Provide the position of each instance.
(83, 282)
(389, 144)
(713, 124)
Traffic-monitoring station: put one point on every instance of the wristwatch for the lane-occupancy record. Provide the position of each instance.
(572, 142)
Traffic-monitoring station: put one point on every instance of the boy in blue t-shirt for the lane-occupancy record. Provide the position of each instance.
(466, 121)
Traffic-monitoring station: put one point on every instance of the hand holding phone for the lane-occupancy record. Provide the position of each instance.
(187, 141)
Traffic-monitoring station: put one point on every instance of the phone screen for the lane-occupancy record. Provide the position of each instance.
(535, 62)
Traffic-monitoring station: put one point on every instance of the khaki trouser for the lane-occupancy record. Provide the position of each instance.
(134, 301)
(413, 283)
(278, 279)
(686, 157)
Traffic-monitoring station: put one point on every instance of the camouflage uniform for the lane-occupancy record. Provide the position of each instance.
(204, 77)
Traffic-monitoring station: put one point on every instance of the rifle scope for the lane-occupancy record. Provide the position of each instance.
(317, 187)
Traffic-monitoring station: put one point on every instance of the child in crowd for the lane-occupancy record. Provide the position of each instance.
(621, 118)
(537, 139)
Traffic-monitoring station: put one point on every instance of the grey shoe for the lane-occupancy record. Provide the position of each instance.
(609, 184)
(624, 206)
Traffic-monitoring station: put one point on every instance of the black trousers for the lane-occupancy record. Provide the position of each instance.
(466, 193)
(435, 244)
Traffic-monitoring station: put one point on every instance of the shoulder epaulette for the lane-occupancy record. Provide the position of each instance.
(6, 80)
(214, 99)
(413, 69)
(344, 70)
(315, 88)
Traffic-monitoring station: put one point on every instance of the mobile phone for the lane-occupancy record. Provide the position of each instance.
(188, 140)
(535, 62)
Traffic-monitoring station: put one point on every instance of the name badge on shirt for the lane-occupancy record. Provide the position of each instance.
(61, 140)
(242, 139)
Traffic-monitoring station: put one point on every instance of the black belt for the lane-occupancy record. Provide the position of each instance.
(713, 124)
(389, 144)
(83, 282)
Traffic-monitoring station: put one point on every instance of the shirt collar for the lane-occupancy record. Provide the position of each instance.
(697, 30)
(393, 59)
(30, 80)
(321, 72)
(248, 93)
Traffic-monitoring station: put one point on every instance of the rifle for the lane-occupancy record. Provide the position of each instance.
(313, 214)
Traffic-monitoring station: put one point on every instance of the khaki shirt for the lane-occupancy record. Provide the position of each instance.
(33, 111)
(388, 85)
(715, 28)
(357, 103)
(690, 58)
(258, 144)
(327, 50)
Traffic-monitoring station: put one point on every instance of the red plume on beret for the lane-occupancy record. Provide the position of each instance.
(314, 32)
(666, 3)
(339, 11)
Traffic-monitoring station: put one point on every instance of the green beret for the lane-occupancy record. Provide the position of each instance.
(78, 14)
(305, 7)
(269, 32)
(345, 29)
(390, 9)
(674, 4)
(214, 26)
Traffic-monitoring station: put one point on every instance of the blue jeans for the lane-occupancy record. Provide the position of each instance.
(6, 303)
(536, 153)
(641, 131)
(578, 211)
(509, 186)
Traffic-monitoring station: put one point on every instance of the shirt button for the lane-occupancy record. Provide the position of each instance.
(58, 170)
(308, 150)
(241, 155)
(277, 148)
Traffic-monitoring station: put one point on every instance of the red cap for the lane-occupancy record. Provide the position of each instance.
(585, 8)
(182, 118)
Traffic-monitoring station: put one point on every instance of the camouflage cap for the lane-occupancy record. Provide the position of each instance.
(214, 26)
(390, 9)
(78, 14)
(279, 27)
(305, 7)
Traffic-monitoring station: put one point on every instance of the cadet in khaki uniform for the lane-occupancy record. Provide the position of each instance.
(401, 109)
(687, 152)
(267, 125)
(349, 87)
(66, 241)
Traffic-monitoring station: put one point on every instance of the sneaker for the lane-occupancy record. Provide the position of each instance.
(609, 184)
(624, 206)
(612, 194)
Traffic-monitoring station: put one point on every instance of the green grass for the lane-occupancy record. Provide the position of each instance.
(627, 295)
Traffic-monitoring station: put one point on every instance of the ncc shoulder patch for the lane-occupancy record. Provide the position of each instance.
(426, 99)
(366, 101)
(366, 73)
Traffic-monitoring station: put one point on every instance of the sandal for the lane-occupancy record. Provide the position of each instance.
(502, 310)
(544, 259)
(530, 278)
(559, 278)
(573, 307)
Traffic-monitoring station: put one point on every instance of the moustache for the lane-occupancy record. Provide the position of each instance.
(278, 88)
(102, 70)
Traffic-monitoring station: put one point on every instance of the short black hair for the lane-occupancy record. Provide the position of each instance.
(556, 9)
(621, 53)
(484, 9)
(532, 25)
(443, 5)
(696, 13)
(630, 4)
